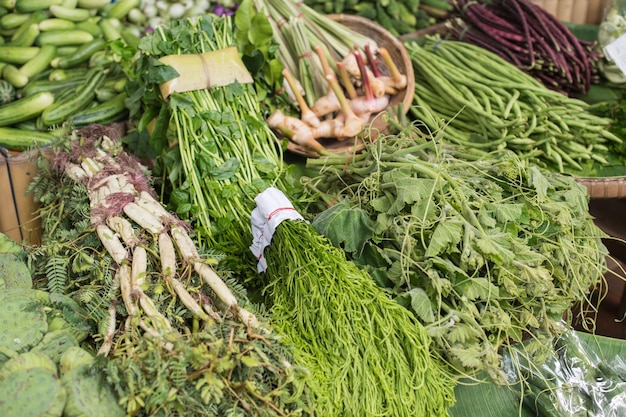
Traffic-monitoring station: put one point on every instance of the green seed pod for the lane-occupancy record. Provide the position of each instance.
(54, 344)
(22, 319)
(14, 273)
(30, 387)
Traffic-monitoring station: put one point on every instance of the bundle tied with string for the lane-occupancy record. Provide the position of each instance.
(366, 353)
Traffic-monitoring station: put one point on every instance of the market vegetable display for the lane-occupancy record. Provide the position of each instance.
(477, 99)
(170, 334)
(485, 250)
(529, 37)
(369, 354)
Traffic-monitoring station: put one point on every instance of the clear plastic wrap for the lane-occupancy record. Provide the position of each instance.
(571, 381)
(613, 25)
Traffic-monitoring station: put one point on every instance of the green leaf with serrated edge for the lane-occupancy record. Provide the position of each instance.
(418, 301)
(539, 182)
(447, 235)
(477, 289)
(345, 226)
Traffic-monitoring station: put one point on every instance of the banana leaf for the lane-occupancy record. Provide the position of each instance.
(489, 400)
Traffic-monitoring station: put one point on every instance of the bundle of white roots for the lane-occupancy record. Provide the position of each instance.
(108, 183)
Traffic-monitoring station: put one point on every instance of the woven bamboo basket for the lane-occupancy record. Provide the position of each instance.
(604, 187)
(377, 124)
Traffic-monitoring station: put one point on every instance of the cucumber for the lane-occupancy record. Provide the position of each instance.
(55, 23)
(39, 62)
(21, 139)
(14, 76)
(17, 54)
(82, 54)
(13, 20)
(83, 95)
(64, 37)
(25, 108)
(53, 87)
(74, 15)
(110, 111)
(25, 6)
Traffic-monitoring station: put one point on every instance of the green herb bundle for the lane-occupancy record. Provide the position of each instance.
(484, 249)
(213, 146)
(367, 354)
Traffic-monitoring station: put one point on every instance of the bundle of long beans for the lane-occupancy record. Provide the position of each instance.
(529, 37)
(488, 103)
(368, 355)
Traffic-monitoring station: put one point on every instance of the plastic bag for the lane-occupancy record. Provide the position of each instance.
(572, 381)
(613, 25)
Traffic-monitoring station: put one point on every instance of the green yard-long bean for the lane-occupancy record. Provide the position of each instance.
(487, 103)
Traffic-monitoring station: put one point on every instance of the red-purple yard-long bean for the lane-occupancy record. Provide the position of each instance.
(527, 36)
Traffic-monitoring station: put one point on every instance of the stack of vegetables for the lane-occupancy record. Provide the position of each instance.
(55, 68)
(484, 249)
(170, 334)
(526, 35)
(228, 156)
(477, 99)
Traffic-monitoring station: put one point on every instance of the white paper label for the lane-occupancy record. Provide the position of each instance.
(272, 208)
(616, 52)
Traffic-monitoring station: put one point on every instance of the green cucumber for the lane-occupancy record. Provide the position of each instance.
(39, 62)
(7, 92)
(83, 95)
(110, 111)
(25, 6)
(53, 87)
(13, 75)
(17, 54)
(13, 20)
(55, 23)
(64, 37)
(67, 13)
(82, 54)
(26, 37)
(120, 8)
(21, 139)
(25, 108)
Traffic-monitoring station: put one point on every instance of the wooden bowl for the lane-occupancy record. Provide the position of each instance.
(377, 123)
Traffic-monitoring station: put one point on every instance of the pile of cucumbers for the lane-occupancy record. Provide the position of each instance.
(54, 66)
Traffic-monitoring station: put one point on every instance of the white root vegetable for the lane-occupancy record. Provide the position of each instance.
(147, 202)
(112, 243)
(167, 254)
(75, 172)
(361, 105)
(126, 287)
(325, 105)
(109, 332)
(352, 124)
(124, 229)
(186, 248)
(143, 218)
(90, 166)
(139, 266)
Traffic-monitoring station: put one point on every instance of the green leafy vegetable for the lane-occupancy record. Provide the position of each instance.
(498, 249)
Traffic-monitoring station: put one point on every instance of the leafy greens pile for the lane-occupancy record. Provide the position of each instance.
(483, 248)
